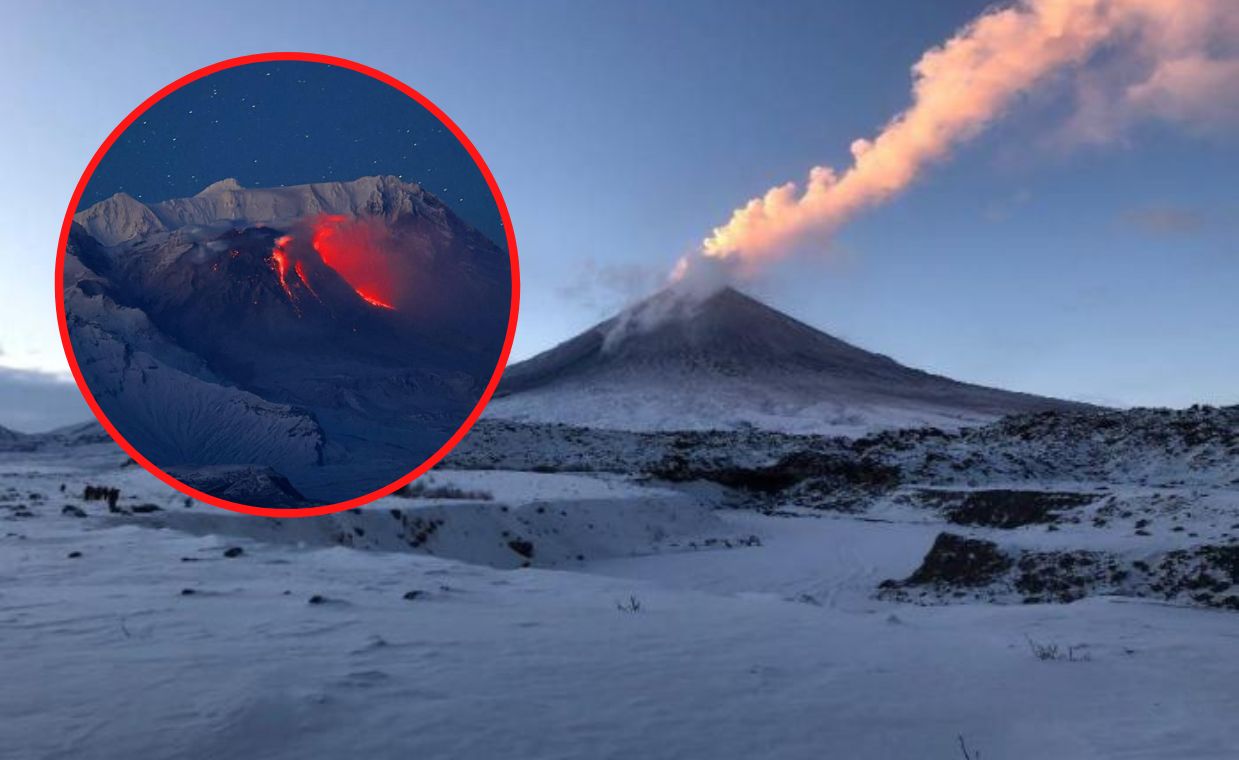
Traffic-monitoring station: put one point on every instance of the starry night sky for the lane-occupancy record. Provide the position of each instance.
(289, 123)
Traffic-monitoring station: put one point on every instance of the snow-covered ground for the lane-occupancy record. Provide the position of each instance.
(716, 533)
(677, 636)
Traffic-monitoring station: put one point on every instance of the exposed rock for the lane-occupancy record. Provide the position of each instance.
(523, 548)
(1004, 508)
(957, 561)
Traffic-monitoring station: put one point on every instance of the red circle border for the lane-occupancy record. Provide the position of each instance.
(512, 314)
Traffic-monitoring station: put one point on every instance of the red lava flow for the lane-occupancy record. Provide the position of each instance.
(373, 300)
(301, 276)
(280, 259)
(354, 249)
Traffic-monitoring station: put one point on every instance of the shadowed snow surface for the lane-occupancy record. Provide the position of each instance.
(651, 622)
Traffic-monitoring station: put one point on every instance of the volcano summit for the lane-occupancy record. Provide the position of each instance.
(679, 362)
(325, 337)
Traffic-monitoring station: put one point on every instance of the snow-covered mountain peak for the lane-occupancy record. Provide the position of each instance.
(724, 359)
(729, 327)
(118, 219)
(226, 200)
(220, 186)
(723, 331)
(122, 217)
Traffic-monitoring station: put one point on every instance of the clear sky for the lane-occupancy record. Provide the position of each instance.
(621, 133)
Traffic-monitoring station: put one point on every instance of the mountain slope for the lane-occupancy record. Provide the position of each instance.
(121, 217)
(166, 400)
(729, 360)
(336, 333)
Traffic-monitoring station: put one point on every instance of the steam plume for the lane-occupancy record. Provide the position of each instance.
(1182, 53)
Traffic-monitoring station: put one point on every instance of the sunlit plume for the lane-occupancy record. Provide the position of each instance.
(963, 85)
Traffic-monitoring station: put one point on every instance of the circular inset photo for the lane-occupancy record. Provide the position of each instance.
(287, 284)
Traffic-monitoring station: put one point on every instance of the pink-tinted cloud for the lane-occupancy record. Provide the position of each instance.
(1167, 220)
(1178, 49)
(1197, 91)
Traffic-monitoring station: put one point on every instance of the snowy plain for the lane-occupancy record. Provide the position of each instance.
(136, 634)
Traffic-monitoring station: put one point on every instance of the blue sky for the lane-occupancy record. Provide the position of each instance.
(622, 133)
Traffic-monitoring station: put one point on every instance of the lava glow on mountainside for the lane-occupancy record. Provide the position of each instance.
(357, 250)
(373, 300)
(300, 270)
(279, 257)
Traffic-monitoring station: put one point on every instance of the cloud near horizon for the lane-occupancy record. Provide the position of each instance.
(33, 401)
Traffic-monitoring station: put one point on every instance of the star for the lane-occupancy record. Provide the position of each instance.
(194, 135)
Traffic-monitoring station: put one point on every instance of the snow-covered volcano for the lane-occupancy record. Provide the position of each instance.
(122, 217)
(335, 333)
(675, 362)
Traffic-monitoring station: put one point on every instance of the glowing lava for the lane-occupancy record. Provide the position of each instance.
(357, 250)
(373, 300)
(301, 276)
(280, 259)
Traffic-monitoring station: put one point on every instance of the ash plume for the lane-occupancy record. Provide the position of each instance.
(1179, 60)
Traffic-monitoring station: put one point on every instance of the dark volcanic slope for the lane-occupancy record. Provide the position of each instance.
(729, 360)
(336, 333)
